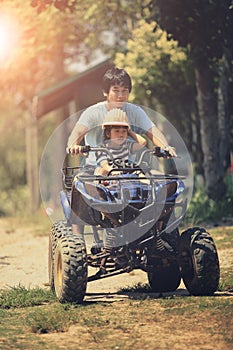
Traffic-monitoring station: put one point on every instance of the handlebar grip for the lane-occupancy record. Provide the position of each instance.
(160, 152)
(85, 149)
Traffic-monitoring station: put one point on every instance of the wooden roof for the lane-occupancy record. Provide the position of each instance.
(84, 88)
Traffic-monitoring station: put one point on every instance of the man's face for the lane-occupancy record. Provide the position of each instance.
(117, 96)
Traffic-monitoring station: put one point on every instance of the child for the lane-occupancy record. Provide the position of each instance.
(116, 130)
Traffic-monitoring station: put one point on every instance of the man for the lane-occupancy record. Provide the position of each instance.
(116, 86)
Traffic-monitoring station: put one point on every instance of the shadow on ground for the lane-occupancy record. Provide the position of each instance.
(123, 295)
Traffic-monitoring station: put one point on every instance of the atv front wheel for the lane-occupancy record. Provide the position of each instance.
(199, 262)
(164, 277)
(70, 269)
(58, 230)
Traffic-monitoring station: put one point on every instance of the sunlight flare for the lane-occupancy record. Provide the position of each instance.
(9, 37)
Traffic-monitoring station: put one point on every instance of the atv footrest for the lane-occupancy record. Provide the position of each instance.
(100, 275)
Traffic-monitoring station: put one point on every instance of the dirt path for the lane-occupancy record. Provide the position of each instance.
(24, 261)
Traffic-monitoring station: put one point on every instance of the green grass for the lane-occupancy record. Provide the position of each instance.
(226, 279)
(138, 288)
(27, 314)
(223, 236)
(48, 320)
(19, 297)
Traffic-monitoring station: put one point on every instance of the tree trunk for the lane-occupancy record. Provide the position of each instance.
(197, 150)
(213, 169)
(32, 161)
(223, 111)
(61, 132)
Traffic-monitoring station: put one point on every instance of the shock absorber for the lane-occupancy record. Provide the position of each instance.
(110, 240)
(160, 244)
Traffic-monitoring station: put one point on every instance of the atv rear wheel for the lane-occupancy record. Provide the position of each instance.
(199, 262)
(165, 277)
(70, 269)
(58, 230)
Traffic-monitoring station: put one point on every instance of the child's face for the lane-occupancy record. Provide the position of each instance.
(117, 96)
(118, 134)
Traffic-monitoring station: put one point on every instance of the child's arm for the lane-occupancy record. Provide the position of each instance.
(104, 168)
(140, 141)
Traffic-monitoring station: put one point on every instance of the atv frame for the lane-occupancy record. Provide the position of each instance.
(134, 214)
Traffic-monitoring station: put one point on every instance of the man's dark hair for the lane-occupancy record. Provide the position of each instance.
(116, 76)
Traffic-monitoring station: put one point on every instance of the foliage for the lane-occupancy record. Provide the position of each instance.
(12, 146)
(44, 43)
(206, 27)
(153, 73)
(61, 5)
(203, 209)
(115, 16)
(162, 74)
(55, 33)
(14, 193)
(14, 201)
(52, 34)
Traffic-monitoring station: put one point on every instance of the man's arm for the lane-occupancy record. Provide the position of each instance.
(76, 136)
(158, 139)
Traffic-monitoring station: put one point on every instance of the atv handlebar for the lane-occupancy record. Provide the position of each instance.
(87, 149)
(157, 151)
(160, 152)
(130, 167)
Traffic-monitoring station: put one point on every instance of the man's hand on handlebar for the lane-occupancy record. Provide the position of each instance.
(165, 152)
(169, 151)
(77, 149)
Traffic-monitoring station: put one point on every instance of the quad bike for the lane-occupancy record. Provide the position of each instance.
(134, 214)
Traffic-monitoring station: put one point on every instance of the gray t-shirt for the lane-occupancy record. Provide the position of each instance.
(93, 118)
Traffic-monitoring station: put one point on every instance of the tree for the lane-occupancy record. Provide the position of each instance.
(100, 18)
(205, 28)
(71, 28)
(121, 18)
(81, 25)
(43, 39)
(162, 77)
